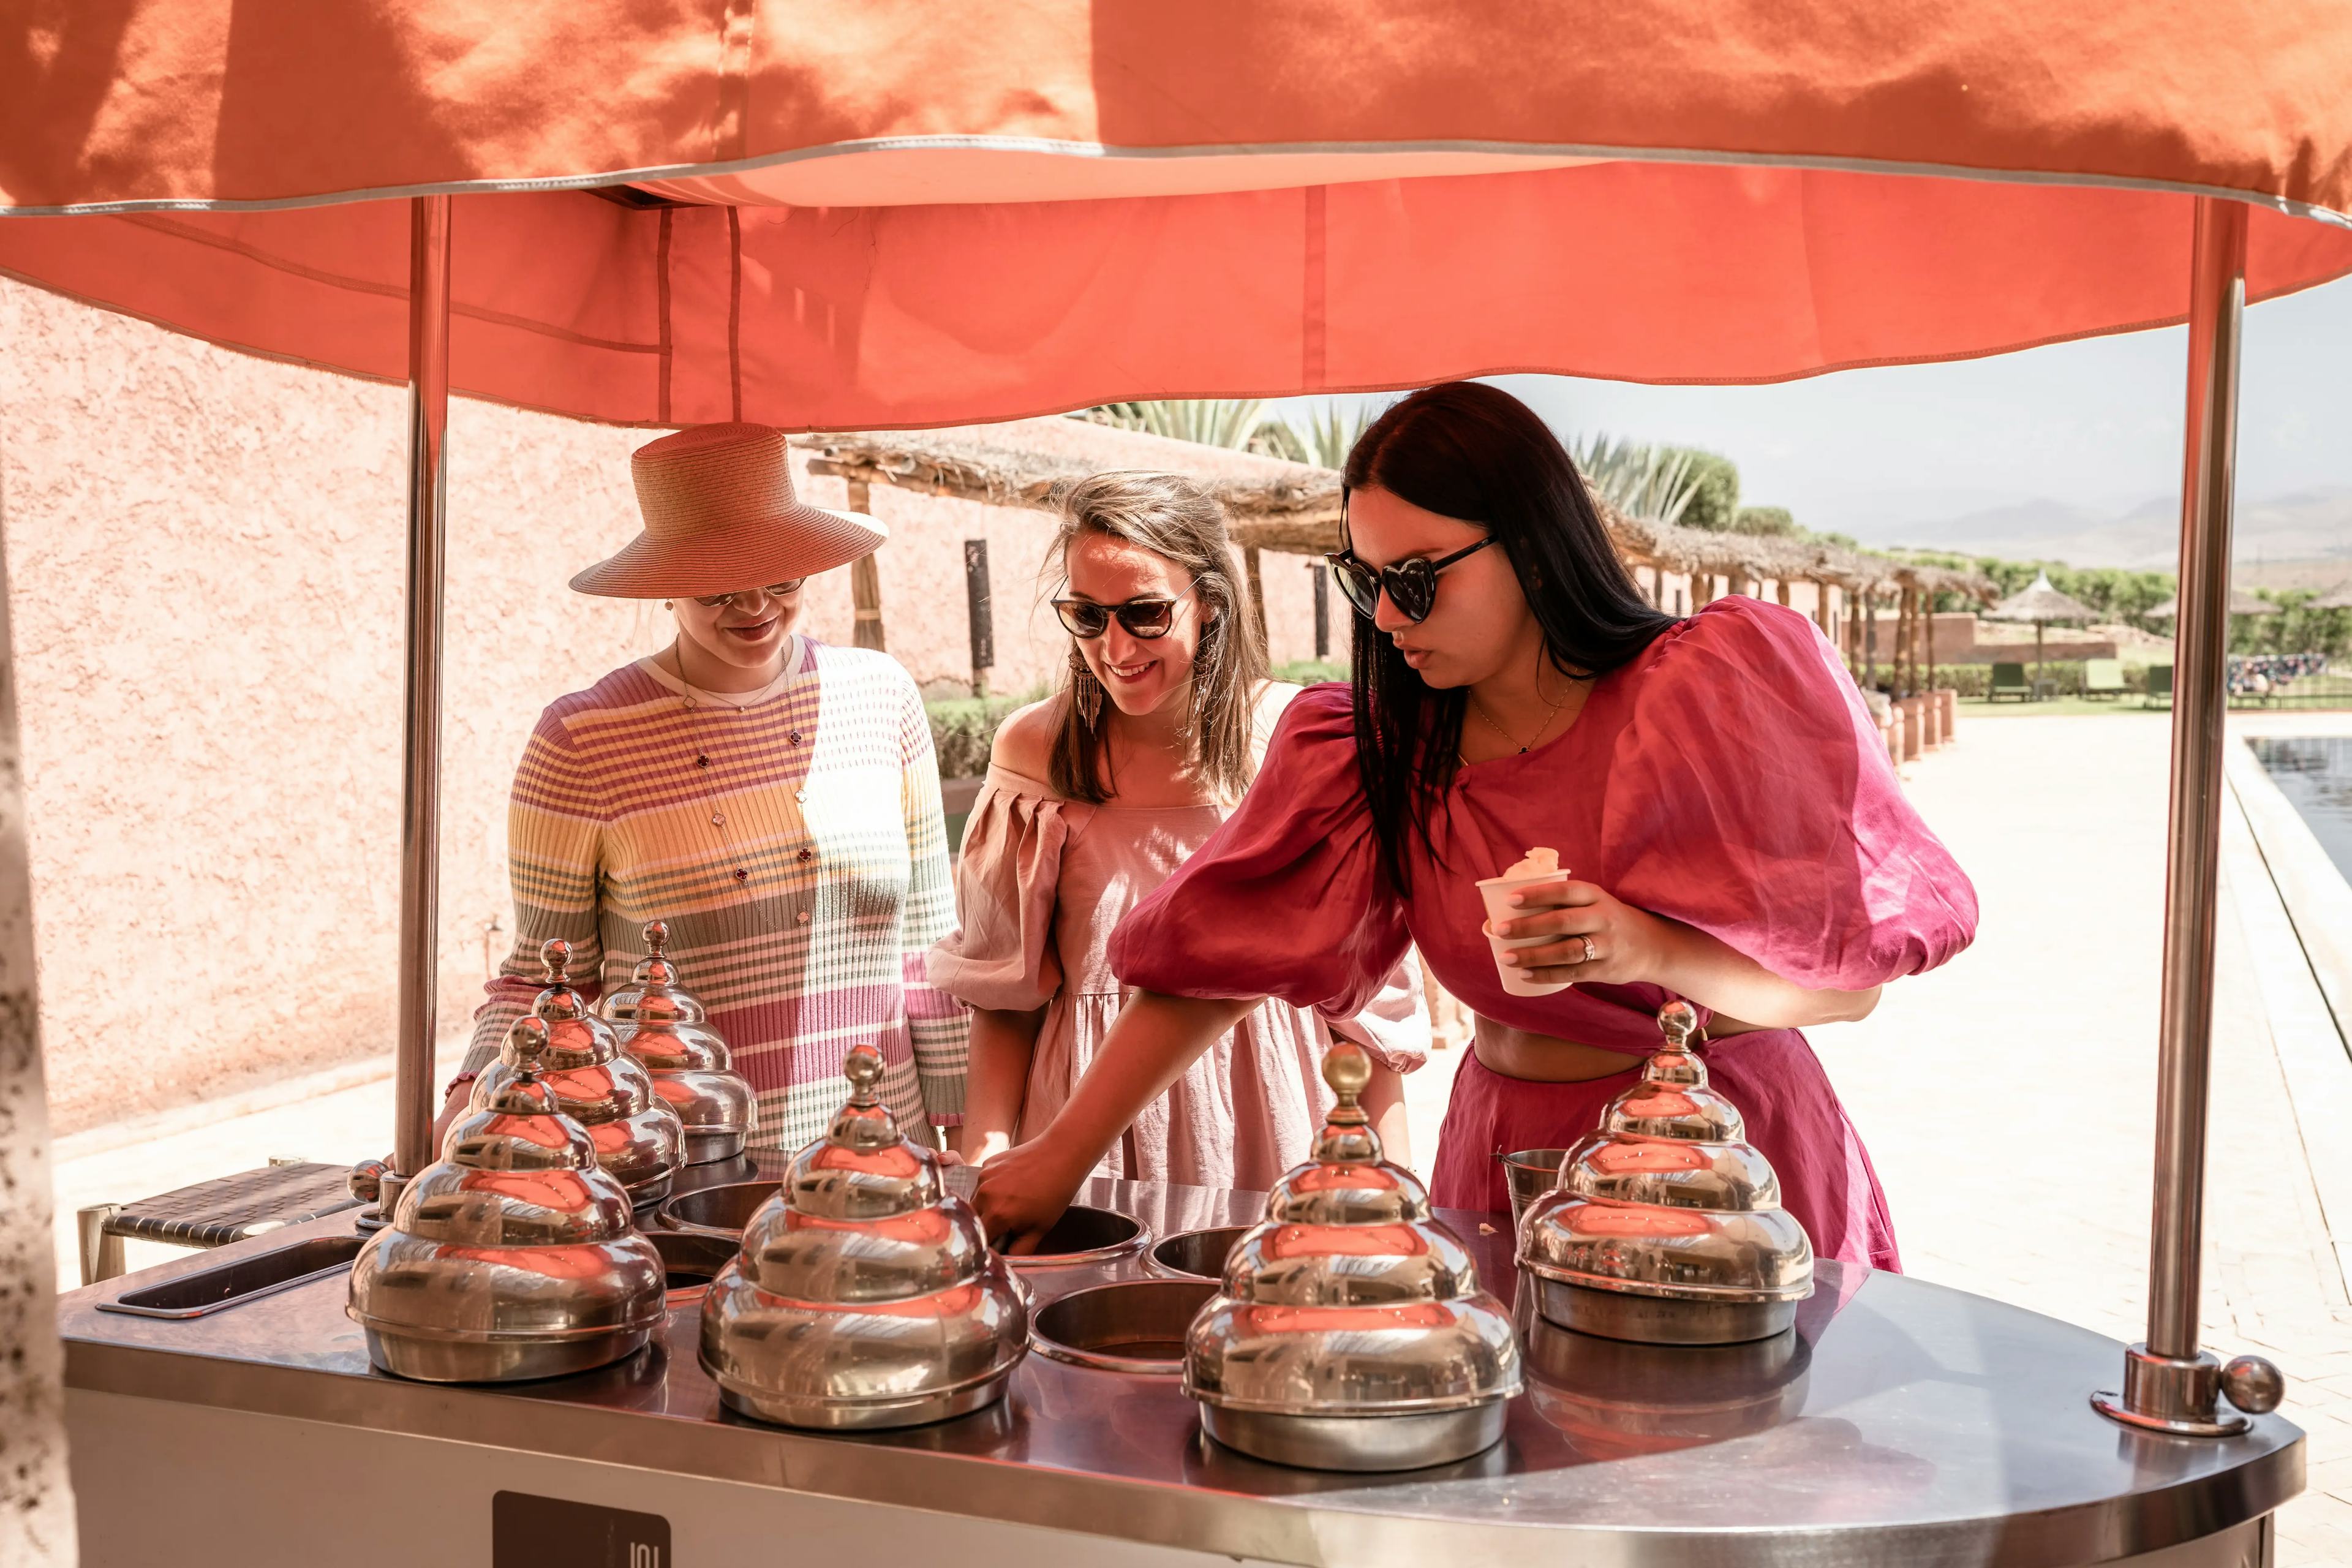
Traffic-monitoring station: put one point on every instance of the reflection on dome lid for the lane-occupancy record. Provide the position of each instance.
(1350, 1332)
(513, 1256)
(639, 1139)
(666, 1029)
(1667, 1226)
(809, 1325)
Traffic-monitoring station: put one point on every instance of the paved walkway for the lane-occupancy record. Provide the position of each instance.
(2008, 1098)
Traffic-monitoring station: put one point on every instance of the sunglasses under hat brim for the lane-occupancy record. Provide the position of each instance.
(800, 542)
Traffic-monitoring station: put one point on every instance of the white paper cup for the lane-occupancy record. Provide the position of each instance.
(1496, 891)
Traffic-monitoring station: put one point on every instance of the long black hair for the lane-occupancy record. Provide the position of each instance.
(1470, 451)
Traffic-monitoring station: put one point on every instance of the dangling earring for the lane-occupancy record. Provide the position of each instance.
(1085, 689)
(1204, 665)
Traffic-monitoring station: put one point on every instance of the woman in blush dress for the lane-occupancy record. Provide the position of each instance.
(1092, 800)
(1735, 836)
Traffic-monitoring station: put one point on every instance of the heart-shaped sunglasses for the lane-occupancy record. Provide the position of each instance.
(1412, 584)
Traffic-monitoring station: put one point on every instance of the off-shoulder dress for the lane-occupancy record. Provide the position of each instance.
(1728, 777)
(1042, 882)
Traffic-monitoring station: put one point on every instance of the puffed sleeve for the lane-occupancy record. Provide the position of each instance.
(1003, 957)
(1287, 899)
(1394, 1024)
(1752, 797)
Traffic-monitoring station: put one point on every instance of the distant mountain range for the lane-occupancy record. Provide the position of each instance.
(2308, 525)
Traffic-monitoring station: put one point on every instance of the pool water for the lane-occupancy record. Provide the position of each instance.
(2315, 772)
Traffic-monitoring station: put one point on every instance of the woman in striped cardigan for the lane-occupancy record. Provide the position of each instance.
(773, 799)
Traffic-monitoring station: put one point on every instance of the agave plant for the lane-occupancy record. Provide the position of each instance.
(1654, 483)
(1328, 436)
(1234, 422)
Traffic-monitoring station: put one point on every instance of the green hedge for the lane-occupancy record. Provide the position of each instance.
(963, 728)
(1973, 680)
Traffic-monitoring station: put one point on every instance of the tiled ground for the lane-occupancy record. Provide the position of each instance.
(2008, 1098)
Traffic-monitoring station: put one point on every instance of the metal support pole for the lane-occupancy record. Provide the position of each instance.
(420, 793)
(2169, 1384)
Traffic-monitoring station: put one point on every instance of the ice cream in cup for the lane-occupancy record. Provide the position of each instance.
(1536, 868)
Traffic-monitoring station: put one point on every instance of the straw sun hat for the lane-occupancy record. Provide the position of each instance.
(720, 515)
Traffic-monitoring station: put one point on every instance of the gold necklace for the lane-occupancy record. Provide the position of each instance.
(1489, 720)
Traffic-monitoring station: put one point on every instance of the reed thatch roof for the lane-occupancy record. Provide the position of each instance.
(1292, 506)
(1274, 504)
(2041, 603)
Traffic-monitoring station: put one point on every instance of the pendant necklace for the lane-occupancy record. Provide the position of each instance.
(1489, 720)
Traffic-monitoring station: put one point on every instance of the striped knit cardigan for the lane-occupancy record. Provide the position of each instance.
(795, 846)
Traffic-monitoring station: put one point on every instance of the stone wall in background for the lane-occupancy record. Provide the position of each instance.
(208, 553)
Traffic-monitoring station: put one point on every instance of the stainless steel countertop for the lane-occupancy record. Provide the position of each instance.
(1913, 1422)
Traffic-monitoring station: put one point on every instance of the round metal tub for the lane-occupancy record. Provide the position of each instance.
(1531, 1174)
(1198, 1254)
(690, 1260)
(1658, 1320)
(1133, 1326)
(1404, 1441)
(1085, 1234)
(721, 1211)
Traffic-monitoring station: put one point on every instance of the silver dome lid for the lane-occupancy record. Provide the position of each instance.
(1349, 1302)
(513, 1256)
(659, 979)
(639, 1139)
(866, 1293)
(667, 1030)
(1666, 1224)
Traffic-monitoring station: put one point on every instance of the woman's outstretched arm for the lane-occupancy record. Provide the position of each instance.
(1024, 1190)
(1003, 1042)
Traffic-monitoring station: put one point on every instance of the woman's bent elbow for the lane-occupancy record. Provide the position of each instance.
(1855, 1006)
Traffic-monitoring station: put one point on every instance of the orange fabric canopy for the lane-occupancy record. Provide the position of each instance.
(902, 214)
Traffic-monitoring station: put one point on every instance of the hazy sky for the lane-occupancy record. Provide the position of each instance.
(2095, 423)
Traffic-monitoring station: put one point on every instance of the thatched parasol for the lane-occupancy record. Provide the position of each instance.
(2241, 604)
(2042, 604)
(2339, 598)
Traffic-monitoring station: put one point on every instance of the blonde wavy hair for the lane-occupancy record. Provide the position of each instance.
(1176, 519)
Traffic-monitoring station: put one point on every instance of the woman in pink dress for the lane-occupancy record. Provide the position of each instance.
(1092, 800)
(1735, 833)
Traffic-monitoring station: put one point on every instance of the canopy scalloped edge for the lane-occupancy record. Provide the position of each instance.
(1343, 155)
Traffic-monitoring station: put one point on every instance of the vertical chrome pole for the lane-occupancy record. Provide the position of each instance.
(420, 795)
(2209, 471)
(2169, 1384)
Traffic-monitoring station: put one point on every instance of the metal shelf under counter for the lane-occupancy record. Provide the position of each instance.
(1902, 1422)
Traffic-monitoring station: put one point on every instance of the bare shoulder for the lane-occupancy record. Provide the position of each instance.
(1272, 701)
(1024, 742)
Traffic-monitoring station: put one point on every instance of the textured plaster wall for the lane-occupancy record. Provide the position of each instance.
(207, 554)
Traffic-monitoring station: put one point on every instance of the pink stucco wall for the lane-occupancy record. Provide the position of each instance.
(207, 562)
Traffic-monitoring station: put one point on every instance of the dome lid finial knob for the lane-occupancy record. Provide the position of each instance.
(1348, 1069)
(529, 1039)
(863, 1068)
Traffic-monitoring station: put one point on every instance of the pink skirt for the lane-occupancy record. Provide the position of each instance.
(1793, 1116)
